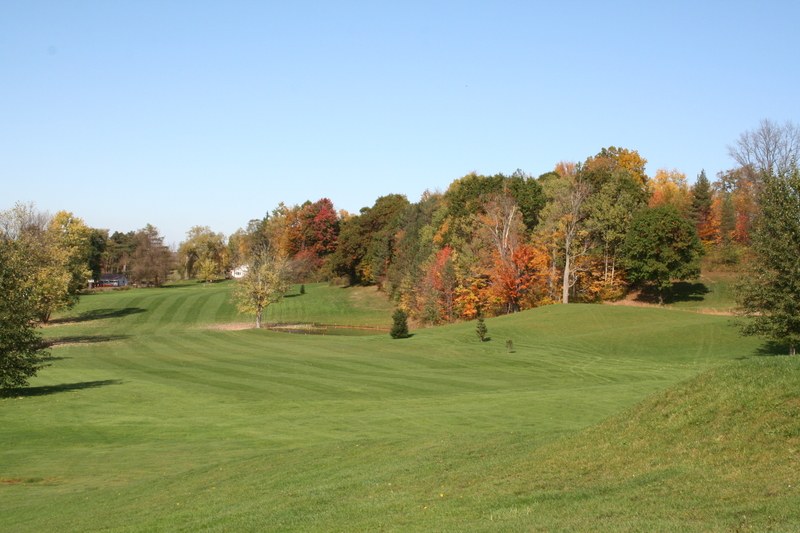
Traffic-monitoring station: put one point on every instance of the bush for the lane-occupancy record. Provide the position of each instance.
(399, 325)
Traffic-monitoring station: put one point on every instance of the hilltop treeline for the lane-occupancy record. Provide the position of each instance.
(487, 245)
(496, 244)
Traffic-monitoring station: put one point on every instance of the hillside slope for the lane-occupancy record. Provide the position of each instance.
(720, 452)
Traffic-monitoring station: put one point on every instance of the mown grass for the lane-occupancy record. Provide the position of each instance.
(720, 452)
(713, 292)
(159, 423)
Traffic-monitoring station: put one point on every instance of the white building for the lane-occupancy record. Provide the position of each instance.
(239, 272)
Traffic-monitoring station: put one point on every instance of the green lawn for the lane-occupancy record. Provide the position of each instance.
(149, 419)
(712, 293)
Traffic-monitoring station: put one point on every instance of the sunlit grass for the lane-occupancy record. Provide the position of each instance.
(152, 421)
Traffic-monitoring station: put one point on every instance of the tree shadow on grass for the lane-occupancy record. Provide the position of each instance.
(82, 339)
(682, 291)
(772, 349)
(55, 389)
(98, 314)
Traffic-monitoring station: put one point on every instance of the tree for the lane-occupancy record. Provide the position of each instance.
(265, 283)
(661, 246)
(564, 218)
(72, 238)
(207, 270)
(55, 251)
(21, 350)
(203, 246)
(770, 148)
(399, 325)
(670, 187)
(768, 296)
(367, 242)
(481, 330)
(151, 260)
(610, 211)
(119, 250)
(702, 201)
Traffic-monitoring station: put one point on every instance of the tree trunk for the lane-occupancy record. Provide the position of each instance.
(259, 312)
(565, 282)
(792, 349)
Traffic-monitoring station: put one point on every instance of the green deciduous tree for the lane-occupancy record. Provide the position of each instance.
(660, 247)
(769, 296)
(265, 283)
(20, 346)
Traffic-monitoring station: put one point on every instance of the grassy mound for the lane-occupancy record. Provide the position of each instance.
(151, 421)
(718, 453)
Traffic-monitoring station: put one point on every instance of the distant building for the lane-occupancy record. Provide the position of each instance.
(112, 280)
(239, 272)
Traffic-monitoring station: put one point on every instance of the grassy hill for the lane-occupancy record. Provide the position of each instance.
(149, 419)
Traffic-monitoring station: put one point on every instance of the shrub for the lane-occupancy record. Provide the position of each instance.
(399, 325)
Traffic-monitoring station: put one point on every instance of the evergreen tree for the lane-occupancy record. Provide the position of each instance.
(701, 206)
(481, 329)
(399, 325)
(769, 294)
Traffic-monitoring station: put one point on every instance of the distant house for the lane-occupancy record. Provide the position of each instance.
(112, 280)
(239, 272)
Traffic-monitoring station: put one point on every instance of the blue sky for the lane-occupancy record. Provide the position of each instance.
(210, 113)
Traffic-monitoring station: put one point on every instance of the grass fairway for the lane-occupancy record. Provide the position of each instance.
(150, 420)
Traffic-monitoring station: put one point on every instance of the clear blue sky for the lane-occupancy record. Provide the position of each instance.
(182, 113)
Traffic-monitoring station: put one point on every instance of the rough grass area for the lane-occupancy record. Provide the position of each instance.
(150, 421)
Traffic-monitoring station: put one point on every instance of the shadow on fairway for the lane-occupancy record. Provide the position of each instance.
(682, 291)
(83, 339)
(55, 389)
(99, 314)
(773, 349)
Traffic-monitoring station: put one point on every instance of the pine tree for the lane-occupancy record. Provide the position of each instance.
(768, 295)
(481, 330)
(701, 207)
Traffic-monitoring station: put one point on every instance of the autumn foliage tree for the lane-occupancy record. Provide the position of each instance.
(265, 283)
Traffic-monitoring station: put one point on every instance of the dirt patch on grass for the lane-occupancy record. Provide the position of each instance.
(632, 300)
(233, 326)
(313, 329)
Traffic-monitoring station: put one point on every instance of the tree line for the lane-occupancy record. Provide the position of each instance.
(586, 231)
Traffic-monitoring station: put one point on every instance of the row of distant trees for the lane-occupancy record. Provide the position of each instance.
(487, 245)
